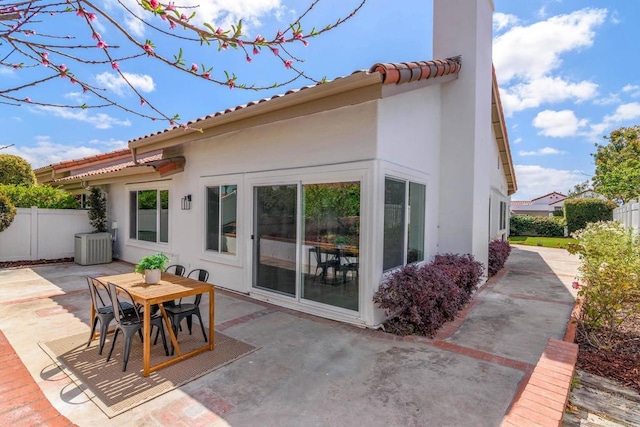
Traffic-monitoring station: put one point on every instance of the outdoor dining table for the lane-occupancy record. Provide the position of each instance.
(170, 287)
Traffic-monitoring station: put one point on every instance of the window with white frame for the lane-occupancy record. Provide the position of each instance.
(221, 218)
(404, 222)
(149, 215)
(503, 215)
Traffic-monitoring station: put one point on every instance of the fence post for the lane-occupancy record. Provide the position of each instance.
(33, 246)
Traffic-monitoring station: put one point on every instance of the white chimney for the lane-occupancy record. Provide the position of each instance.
(464, 27)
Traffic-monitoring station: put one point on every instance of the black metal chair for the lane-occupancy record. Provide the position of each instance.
(178, 269)
(325, 264)
(130, 322)
(188, 310)
(103, 310)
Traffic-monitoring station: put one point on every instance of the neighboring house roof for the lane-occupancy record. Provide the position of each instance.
(554, 193)
(380, 74)
(520, 202)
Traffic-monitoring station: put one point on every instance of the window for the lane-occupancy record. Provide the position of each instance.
(404, 222)
(149, 215)
(503, 215)
(221, 218)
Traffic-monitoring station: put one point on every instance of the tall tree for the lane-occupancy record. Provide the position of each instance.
(579, 188)
(617, 173)
(42, 41)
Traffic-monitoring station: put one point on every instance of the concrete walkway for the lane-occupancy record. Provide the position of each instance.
(314, 372)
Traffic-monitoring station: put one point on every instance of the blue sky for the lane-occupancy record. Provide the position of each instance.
(566, 69)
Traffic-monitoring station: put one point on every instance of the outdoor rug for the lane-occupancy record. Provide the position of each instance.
(115, 391)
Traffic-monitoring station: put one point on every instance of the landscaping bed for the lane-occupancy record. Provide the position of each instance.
(620, 362)
(17, 264)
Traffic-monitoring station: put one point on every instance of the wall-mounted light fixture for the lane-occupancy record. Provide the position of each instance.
(186, 202)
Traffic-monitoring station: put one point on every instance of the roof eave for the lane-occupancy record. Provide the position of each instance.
(352, 82)
(502, 138)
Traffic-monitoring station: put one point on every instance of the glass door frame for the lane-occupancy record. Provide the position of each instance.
(301, 179)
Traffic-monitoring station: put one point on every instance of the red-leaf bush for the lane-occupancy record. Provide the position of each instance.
(464, 270)
(498, 253)
(419, 300)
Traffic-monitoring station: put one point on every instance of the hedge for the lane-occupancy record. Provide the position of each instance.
(580, 212)
(527, 225)
(41, 196)
(7, 212)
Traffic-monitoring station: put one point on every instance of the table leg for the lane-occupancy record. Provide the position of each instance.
(174, 340)
(146, 355)
(211, 323)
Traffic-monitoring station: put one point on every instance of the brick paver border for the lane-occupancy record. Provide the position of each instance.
(21, 400)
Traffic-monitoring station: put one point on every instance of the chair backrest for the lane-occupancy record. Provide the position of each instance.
(201, 275)
(99, 293)
(118, 296)
(178, 269)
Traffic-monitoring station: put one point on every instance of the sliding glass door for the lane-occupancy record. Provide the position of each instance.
(322, 264)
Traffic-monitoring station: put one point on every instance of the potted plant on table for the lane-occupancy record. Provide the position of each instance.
(151, 266)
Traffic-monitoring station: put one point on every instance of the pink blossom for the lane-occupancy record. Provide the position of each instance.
(163, 17)
(80, 12)
(45, 62)
(172, 25)
(288, 63)
(194, 68)
(101, 44)
(63, 67)
(298, 36)
(142, 101)
(84, 89)
(183, 17)
(219, 31)
(92, 17)
(73, 81)
(96, 36)
(44, 55)
(147, 47)
(231, 83)
(224, 46)
(206, 75)
(248, 58)
(259, 39)
(115, 65)
(27, 99)
(255, 50)
(575, 285)
(154, 4)
(275, 51)
(240, 43)
(305, 43)
(170, 6)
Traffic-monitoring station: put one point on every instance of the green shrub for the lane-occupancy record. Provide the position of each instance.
(527, 225)
(97, 210)
(558, 213)
(7, 212)
(580, 212)
(41, 196)
(610, 275)
(16, 170)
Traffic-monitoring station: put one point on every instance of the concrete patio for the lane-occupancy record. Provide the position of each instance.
(311, 371)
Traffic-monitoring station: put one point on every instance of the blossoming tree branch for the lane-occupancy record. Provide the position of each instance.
(73, 40)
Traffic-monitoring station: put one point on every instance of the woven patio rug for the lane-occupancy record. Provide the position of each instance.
(114, 391)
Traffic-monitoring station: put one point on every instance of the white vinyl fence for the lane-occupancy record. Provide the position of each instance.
(42, 234)
(629, 215)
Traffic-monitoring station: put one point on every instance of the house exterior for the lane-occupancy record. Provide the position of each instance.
(310, 199)
(540, 206)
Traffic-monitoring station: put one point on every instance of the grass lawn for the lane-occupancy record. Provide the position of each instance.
(547, 242)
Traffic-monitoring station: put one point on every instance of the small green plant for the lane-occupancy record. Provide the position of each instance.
(152, 262)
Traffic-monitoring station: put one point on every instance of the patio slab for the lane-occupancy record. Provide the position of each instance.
(311, 371)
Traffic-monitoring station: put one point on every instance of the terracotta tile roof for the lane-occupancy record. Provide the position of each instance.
(392, 73)
(397, 73)
(86, 160)
(143, 160)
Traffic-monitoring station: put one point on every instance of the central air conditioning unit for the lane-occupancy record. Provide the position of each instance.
(93, 248)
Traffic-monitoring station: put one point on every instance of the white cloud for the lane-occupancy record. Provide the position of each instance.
(630, 88)
(116, 84)
(623, 113)
(99, 120)
(535, 180)
(503, 20)
(546, 151)
(218, 13)
(6, 71)
(534, 51)
(517, 141)
(533, 93)
(558, 124)
(46, 152)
